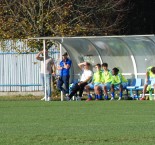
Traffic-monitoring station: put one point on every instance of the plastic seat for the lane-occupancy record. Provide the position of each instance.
(134, 86)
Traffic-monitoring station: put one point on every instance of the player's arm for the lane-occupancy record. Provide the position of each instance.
(102, 78)
(53, 68)
(147, 76)
(38, 57)
(60, 66)
(81, 65)
(93, 78)
(67, 65)
(87, 79)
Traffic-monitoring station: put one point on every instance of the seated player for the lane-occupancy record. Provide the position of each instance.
(118, 82)
(95, 84)
(107, 76)
(150, 80)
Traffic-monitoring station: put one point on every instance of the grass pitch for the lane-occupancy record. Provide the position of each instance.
(70, 123)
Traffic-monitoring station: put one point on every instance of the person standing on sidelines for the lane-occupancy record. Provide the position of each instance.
(49, 66)
(64, 68)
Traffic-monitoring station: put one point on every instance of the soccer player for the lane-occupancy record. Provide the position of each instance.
(95, 84)
(107, 76)
(118, 82)
(150, 80)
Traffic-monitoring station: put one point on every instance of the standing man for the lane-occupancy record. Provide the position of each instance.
(49, 65)
(64, 68)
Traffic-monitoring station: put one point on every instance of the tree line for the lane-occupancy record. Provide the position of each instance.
(36, 18)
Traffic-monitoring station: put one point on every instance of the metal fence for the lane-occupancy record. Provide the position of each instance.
(21, 71)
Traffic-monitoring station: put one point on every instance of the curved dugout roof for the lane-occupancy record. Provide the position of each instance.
(132, 54)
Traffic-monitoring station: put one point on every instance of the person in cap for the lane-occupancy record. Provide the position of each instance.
(64, 68)
(49, 70)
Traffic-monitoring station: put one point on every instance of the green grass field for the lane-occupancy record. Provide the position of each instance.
(69, 123)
